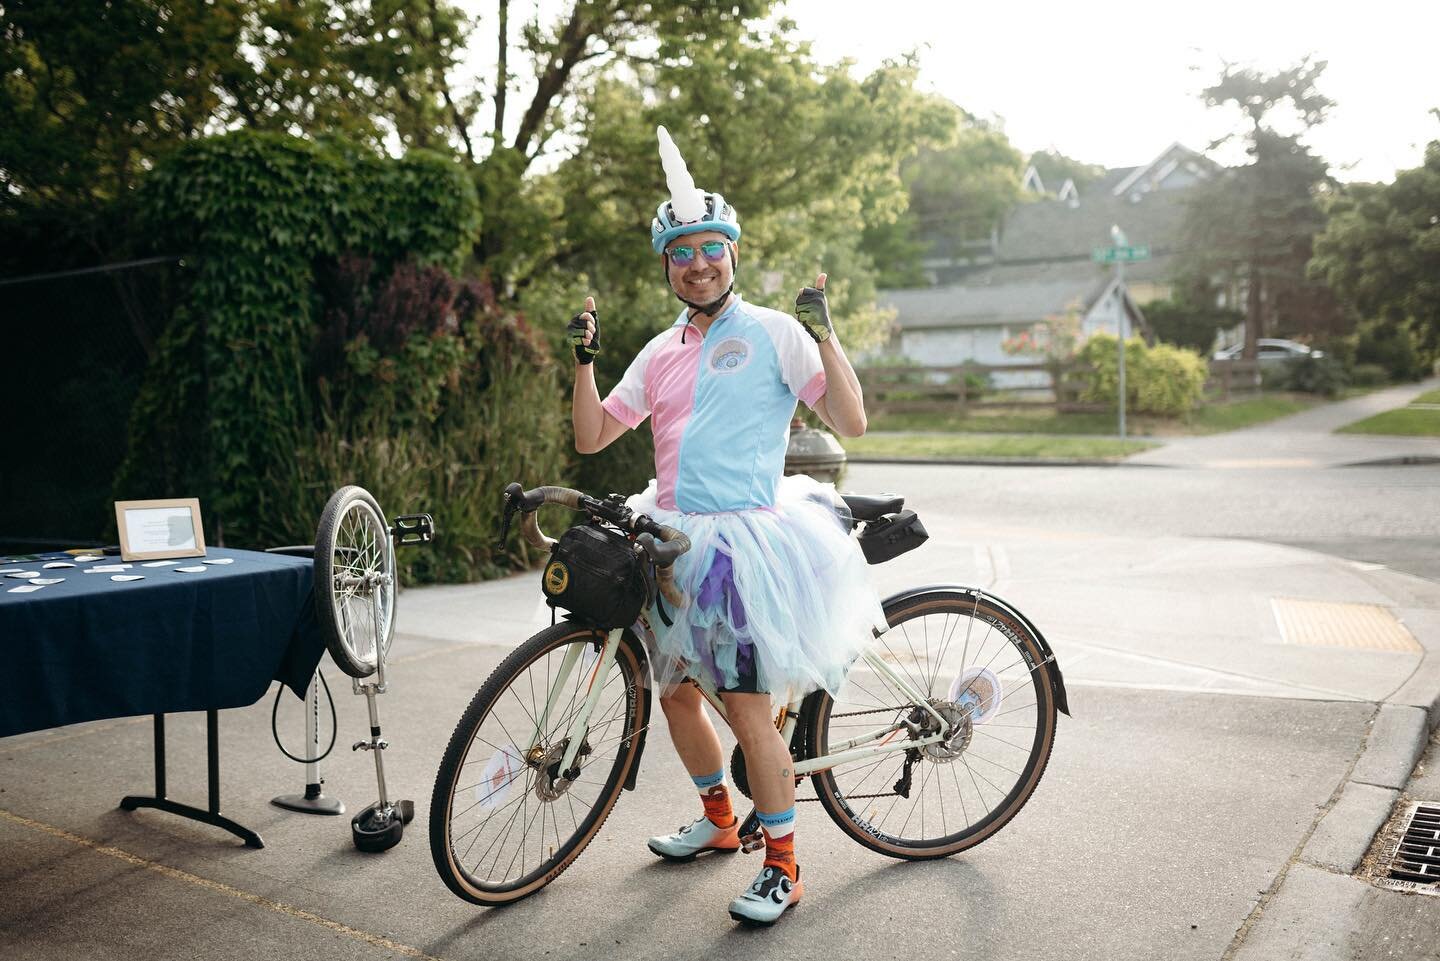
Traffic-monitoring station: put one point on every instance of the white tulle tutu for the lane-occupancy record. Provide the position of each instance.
(778, 597)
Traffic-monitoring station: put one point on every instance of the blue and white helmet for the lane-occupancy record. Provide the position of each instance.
(689, 209)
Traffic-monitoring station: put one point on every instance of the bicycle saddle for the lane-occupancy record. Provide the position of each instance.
(868, 507)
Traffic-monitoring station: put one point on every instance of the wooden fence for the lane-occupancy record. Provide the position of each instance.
(956, 389)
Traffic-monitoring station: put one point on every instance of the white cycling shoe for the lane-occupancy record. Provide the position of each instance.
(692, 839)
(771, 893)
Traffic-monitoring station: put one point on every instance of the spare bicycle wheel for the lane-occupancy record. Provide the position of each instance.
(355, 581)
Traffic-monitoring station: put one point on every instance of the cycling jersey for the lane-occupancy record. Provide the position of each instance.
(720, 405)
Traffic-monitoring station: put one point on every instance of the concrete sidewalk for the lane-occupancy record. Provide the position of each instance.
(1306, 439)
(1245, 715)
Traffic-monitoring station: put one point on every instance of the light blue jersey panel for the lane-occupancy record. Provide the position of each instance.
(733, 451)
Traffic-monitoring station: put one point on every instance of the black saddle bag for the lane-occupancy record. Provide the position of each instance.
(892, 535)
(597, 575)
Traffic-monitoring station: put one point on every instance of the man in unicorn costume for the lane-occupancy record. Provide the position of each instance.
(778, 598)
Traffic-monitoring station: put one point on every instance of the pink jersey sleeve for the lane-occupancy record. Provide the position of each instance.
(628, 402)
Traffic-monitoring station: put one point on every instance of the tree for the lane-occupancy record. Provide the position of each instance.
(95, 94)
(1380, 252)
(1055, 168)
(958, 189)
(1251, 228)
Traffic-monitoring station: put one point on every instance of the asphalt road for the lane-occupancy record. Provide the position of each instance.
(1384, 515)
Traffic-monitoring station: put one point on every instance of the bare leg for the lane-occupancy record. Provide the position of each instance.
(768, 766)
(690, 728)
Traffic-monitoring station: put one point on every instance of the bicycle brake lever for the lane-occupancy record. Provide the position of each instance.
(512, 504)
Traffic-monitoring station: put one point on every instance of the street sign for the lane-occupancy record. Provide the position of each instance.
(1123, 255)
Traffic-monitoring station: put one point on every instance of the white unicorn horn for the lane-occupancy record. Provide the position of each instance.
(685, 199)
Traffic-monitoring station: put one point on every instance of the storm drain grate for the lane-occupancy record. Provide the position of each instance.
(1415, 860)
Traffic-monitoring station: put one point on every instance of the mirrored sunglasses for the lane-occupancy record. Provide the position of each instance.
(714, 251)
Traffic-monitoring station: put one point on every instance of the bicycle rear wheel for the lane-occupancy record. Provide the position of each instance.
(500, 826)
(981, 667)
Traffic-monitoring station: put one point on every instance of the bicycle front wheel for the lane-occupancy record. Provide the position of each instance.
(504, 822)
(355, 581)
(983, 669)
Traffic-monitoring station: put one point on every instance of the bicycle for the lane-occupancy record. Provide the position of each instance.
(510, 813)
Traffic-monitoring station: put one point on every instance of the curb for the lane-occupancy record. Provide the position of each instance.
(1404, 460)
(1397, 739)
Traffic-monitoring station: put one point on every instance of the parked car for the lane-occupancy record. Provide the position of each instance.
(1271, 351)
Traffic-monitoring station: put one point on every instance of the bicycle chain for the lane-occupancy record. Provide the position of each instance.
(860, 797)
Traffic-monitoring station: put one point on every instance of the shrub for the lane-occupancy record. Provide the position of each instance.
(1186, 324)
(1369, 375)
(1310, 375)
(468, 402)
(1163, 380)
(1391, 346)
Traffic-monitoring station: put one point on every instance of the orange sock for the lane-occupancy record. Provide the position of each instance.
(717, 806)
(780, 853)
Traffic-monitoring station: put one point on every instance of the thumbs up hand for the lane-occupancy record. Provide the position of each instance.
(813, 312)
(584, 332)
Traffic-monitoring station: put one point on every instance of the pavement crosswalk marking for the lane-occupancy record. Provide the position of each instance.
(279, 907)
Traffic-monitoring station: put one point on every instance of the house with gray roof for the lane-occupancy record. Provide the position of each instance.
(969, 321)
(1038, 265)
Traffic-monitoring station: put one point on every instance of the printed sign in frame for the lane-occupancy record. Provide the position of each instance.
(155, 529)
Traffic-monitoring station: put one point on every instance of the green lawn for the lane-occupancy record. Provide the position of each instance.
(1429, 397)
(961, 446)
(1210, 419)
(1406, 421)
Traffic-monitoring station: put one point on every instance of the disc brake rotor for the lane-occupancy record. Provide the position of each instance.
(958, 722)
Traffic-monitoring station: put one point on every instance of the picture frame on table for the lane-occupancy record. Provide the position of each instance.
(160, 529)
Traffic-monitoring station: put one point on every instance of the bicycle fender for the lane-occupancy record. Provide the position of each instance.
(1051, 664)
(639, 648)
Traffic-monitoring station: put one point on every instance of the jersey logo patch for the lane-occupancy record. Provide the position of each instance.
(730, 355)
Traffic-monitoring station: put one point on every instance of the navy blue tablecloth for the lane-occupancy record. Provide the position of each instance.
(91, 648)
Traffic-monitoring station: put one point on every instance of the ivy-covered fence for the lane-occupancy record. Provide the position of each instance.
(323, 339)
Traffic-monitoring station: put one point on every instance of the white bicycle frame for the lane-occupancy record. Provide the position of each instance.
(845, 752)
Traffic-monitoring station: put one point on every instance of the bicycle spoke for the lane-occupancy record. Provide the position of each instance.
(990, 760)
(502, 829)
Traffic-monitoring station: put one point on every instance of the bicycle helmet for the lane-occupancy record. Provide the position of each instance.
(716, 215)
(689, 209)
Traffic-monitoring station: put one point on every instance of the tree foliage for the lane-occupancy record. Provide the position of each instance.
(958, 189)
(1252, 226)
(95, 94)
(227, 393)
(1055, 168)
(1380, 252)
(808, 154)
(1190, 323)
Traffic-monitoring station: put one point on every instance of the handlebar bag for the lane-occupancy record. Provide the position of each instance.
(892, 535)
(597, 575)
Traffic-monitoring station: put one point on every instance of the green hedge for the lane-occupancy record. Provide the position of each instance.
(1163, 379)
(322, 339)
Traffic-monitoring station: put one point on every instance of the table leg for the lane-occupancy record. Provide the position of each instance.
(161, 803)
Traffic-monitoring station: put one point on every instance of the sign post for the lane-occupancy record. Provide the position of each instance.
(1120, 253)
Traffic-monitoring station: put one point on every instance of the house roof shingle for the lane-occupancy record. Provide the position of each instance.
(1018, 293)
